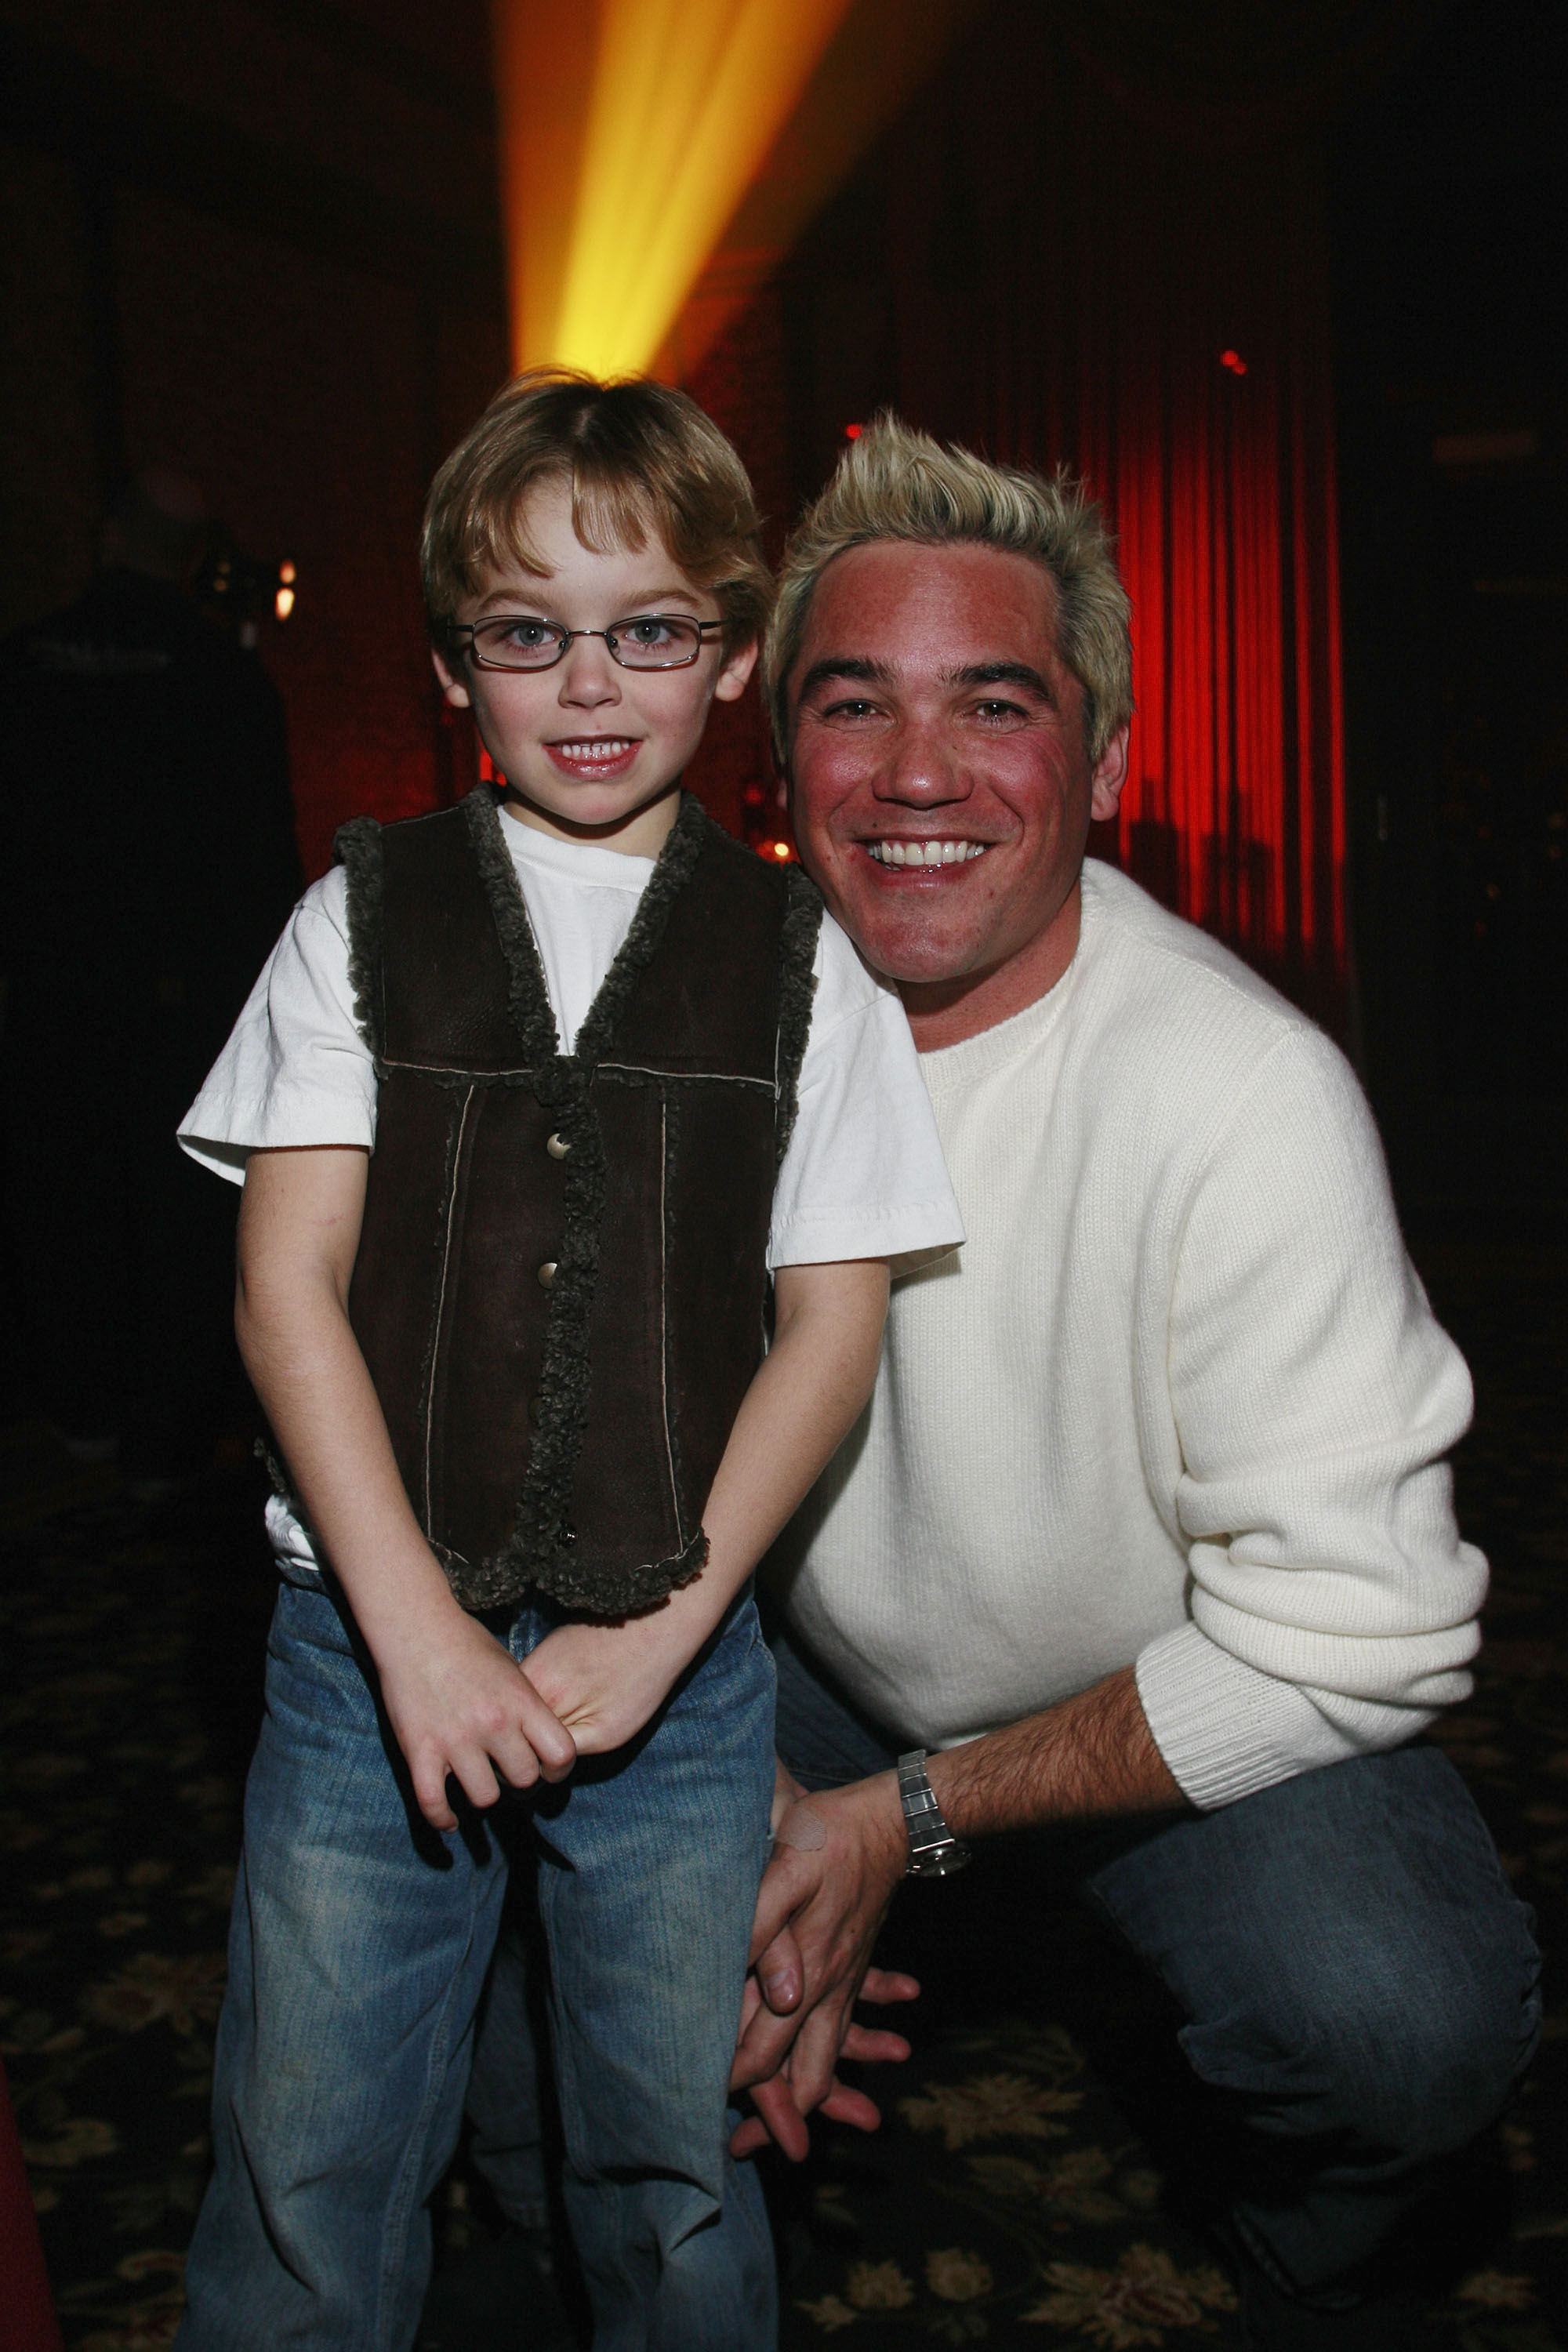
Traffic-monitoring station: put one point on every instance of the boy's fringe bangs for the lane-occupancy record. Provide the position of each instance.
(606, 514)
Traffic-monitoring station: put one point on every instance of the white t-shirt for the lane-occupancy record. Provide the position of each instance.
(863, 1176)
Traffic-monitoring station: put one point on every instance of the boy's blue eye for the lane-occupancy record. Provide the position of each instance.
(648, 629)
(530, 634)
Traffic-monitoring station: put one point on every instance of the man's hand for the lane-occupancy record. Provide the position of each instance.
(459, 1704)
(779, 2117)
(838, 1857)
(779, 1980)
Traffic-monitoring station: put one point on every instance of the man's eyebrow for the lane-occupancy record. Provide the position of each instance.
(857, 668)
(1003, 673)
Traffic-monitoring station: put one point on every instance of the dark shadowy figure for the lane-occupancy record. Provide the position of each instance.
(149, 858)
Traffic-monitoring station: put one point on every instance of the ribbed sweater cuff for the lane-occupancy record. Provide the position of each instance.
(1224, 1729)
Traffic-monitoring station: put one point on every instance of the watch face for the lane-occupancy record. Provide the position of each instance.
(939, 1861)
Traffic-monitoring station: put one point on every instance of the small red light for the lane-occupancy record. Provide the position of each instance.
(853, 431)
(1234, 361)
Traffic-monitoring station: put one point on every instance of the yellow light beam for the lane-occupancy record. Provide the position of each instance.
(628, 135)
(880, 53)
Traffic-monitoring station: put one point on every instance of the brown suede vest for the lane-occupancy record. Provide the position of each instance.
(561, 1284)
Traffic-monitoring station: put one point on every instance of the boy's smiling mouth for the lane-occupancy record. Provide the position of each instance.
(594, 755)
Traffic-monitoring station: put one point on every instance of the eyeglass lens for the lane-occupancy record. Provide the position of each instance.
(646, 640)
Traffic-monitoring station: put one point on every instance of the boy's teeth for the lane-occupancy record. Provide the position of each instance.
(600, 747)
(925, 852)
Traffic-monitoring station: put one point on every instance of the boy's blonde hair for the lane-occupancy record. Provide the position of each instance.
(895, 483)
(641, 460)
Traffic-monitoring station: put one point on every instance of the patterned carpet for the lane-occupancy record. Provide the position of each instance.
(1029, 2188)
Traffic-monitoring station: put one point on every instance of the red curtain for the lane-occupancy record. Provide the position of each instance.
(1028, 266)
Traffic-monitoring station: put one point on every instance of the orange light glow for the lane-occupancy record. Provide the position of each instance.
(283, 602)
(286, 574)
(629, 132)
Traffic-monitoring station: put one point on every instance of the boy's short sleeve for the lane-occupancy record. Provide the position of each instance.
(864, 1175)
(295, 1071)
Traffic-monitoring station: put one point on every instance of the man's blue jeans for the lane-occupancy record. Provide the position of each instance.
(358, 1946)
(1359, 1985)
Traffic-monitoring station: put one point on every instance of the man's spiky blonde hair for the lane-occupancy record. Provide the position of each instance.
(895, 483)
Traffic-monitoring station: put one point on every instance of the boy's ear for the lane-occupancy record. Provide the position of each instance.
(733, 672)
(452, 683)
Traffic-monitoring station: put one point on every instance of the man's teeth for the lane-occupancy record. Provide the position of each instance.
(596, 746)
(926, 853)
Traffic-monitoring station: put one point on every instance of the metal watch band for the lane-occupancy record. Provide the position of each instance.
(934, 1852)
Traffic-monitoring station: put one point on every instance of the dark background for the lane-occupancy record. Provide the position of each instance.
(258, 239)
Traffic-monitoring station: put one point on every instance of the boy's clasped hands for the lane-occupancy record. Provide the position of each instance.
(461, 1707)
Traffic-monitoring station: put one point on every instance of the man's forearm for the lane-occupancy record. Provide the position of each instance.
(839, 1855)
(1090, 1756)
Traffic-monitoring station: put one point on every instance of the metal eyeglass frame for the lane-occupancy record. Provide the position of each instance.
(568, 638)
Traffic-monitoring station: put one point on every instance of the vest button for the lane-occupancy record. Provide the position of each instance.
(547, 1273)
(557, 1145)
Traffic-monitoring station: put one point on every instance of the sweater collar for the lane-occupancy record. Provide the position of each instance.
(946, 1069)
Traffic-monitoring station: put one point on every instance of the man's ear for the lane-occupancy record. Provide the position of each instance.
(1110, 775)
(452, 683)
(733, 672)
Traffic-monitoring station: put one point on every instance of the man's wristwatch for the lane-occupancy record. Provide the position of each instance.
(934, 1852)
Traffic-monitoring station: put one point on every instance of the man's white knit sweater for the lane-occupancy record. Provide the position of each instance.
(1178, 1399)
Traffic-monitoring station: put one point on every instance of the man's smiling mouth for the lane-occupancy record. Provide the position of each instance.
(925, 852)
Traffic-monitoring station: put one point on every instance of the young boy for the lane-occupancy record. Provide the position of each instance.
(615, 1071)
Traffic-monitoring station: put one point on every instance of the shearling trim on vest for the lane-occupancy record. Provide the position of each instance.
(797, 988)
(530, 995)
(541, 1532)
(357, 846)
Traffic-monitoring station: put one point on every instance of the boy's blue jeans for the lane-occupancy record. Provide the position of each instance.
(357, 1953)
(1361, 1990)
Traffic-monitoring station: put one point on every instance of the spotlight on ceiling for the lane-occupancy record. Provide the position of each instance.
(629, 133)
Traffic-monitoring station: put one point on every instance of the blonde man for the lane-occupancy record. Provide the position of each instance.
(1144, 1542)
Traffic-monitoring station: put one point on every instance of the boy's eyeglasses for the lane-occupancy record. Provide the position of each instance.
(646, 640)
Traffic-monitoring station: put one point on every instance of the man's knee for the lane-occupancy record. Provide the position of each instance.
(1416, 2059)
(1407, 2033)
(1348, 1951)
